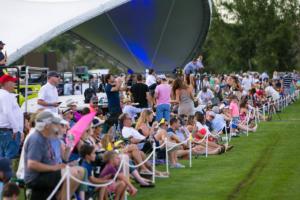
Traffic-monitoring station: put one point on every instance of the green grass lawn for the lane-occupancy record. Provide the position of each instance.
(265, 165)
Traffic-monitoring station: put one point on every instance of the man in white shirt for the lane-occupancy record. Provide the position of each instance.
(130, 133)
(48, 95)
(246, 83)
(9, 120)
(271, 92)
(205, 96)
(151, 79)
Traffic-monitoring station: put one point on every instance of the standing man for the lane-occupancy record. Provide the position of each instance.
(112, 89)
(163, 98)
(140, 93)
(151, 79)
(3, 56)
(9, 123)
(48, 95)
(151, 83)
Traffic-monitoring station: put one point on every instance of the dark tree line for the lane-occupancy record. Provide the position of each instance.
(256, 35)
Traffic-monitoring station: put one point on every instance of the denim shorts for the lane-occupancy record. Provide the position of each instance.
(235, 122)
(9, 147)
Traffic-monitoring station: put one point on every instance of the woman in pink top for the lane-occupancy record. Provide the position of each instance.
(163, 97)
(235, 115)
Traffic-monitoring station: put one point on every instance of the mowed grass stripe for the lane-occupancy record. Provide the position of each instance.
(256, 168)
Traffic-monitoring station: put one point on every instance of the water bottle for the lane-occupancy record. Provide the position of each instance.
(70, 140)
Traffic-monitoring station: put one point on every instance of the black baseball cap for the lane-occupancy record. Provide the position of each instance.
(53, 74)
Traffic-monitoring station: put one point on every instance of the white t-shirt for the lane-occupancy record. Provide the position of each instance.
(128, 132)
(49, 94)
(246, 83)
(10, 112)
(68, 89)
(21, 168)
(150, 80)
(270, 91)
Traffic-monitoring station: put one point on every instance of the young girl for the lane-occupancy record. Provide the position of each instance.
(119, 187)
(235, 115)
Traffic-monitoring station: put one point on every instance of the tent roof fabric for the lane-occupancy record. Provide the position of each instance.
(141, 34)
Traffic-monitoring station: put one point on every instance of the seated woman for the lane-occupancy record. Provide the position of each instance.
(94, 137)
(135, 139)
(202, 130)
(244, 125)
(143, 126)
(143, 123)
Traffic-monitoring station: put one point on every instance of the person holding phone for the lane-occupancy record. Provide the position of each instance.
(48, 94)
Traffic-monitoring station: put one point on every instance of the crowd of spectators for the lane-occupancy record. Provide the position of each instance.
(142, 110)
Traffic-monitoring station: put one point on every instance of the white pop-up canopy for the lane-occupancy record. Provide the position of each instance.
(159, 34)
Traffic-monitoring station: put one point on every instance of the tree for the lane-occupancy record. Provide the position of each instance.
(71, 53)
(254, 35)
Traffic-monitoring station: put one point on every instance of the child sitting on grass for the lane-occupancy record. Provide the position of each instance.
(11, 192)
(88, 154)
(119, 187)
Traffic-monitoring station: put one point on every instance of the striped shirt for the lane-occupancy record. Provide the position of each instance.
(287, 80)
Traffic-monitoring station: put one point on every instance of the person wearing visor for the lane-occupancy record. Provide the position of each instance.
(42, 171)
(48, 94)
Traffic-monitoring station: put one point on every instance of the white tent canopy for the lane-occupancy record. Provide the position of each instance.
(159, 34)
(27, 24)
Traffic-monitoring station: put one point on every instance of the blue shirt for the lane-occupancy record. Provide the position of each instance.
(88, 167)
(1, 57)
(113, 98)
(189, 68)
(218, 123)
(56, 145)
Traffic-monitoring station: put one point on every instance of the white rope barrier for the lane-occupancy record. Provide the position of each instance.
(153, 162)
(176, 144)
(68, 182)
(100, 185)
(142, 163)
(57, 186)
(280, 103)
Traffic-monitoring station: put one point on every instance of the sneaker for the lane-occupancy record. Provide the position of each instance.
(234, 135)
(177, 166)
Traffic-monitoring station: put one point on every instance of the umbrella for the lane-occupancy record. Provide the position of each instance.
(75, 133)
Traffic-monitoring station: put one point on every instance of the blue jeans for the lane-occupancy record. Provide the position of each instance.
(163, 111)
(9, 147)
